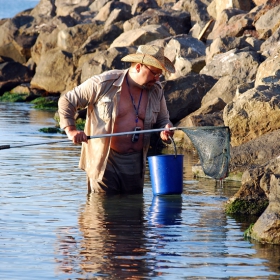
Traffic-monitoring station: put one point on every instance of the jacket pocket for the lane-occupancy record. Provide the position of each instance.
(105, 108)
(155, 112)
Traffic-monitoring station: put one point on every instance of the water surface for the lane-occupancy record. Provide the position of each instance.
(51, 229)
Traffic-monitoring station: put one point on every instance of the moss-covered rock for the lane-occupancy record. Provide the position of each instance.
(51, 130)
(45, 103)
(248, 207)
(248, 231)
(15, 97)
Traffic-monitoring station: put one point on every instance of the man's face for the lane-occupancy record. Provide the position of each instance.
(151, 74)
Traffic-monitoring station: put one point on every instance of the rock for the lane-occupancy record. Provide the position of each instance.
(242, 64)
(13, 74)
(269, 68)
(196, 8)
(65, 7)
(266, 229)
(187, 54)
(109, 7)
(231, 23)
(140, 6)
(245, 5)
(44, 10)
(176, 22)
(224, 44)
(99, 40)
(255, 152)
(96, 5)
(268, 23)
(46, 41)
(140, 36)
(260, 184)
(72, 38)
(255, 113)
(224, 89)
(184, 95)
(210, 114)
(117, 15)
(52, 72)
(272, 44)
(104, 60)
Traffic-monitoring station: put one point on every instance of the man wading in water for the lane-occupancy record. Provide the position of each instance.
(119, 101)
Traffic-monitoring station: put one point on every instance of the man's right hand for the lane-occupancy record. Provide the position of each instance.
(76, 136)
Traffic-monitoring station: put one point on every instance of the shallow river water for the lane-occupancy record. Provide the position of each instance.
(51, 229)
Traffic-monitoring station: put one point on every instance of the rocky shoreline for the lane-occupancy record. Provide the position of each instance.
(227, 59)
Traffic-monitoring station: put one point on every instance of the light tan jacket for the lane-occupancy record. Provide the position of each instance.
(100, 94)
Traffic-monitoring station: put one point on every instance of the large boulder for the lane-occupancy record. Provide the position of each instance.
(272, 44)
(260, 187)
(176, 22)
(184, 95)
(255, 152)
(204, 116)
(72, 38)
(140, 36)
(220, 5)
(109, 7)
(225, 89)
(231, 23)
(242, 64)
(101, 39)
(100, 61)
(140, 6)
(253, 114)
(186, 53)
(13, 74)
(267, 227)
(269, 68)
(54, 72)
(66, 7)
(44, 10)
(225, 44)
(17, 38)
(196, 8)
(268, 23)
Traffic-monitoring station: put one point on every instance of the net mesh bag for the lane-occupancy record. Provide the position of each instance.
(213, 147)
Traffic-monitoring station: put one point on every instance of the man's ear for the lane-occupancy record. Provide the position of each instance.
(138, 67)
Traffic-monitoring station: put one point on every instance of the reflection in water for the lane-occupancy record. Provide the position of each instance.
(166, 210)
(113, 238)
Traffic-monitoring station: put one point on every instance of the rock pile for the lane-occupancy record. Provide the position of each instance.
(226, 54)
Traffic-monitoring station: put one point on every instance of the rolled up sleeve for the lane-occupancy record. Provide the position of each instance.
(68, 104)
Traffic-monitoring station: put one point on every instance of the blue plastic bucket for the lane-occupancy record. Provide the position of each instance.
(166, 172)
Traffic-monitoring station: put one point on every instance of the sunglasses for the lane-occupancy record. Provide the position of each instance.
(156, 75)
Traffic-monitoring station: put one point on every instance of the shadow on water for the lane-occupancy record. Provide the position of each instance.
(50, 229)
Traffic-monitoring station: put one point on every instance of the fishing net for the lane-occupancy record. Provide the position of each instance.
(213, 147)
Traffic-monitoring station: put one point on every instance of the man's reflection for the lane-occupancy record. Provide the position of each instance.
(113, 240)
(118, 241)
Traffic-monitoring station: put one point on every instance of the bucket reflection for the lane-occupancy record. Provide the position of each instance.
(166, 210)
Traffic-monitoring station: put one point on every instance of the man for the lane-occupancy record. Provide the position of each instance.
(119, 101)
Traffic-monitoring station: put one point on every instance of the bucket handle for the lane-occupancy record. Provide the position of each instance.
(174, 145)
(172, 141)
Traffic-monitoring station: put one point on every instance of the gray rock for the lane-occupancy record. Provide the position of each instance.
(242, 64)
(184, 95)
(13, 74)
(255, 113)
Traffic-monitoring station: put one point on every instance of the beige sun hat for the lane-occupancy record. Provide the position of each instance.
(152, 56)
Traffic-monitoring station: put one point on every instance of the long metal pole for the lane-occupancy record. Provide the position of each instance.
(3, 147)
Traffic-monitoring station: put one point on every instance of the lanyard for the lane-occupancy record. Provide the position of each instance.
(133, 103)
